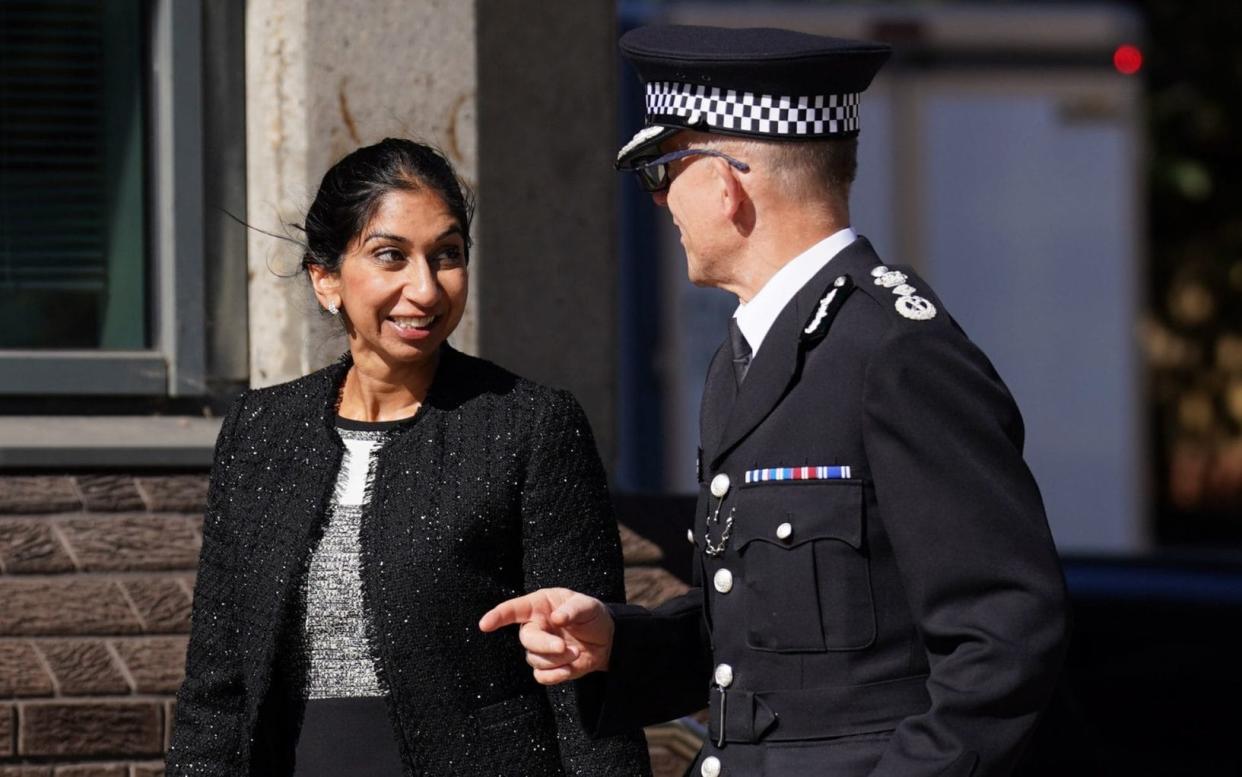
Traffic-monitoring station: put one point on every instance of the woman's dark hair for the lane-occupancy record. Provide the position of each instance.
(351, 190)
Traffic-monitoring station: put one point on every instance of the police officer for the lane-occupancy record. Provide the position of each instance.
(879, 591)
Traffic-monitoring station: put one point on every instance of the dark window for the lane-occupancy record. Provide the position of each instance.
(72, 179)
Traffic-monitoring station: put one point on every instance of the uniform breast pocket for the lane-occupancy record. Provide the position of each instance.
(805, 566)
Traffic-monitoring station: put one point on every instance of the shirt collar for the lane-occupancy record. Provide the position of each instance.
(756, 317)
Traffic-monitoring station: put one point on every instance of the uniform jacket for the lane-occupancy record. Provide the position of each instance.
(905, 617)
(493, 489)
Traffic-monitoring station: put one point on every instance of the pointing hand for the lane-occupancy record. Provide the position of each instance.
(566, 634)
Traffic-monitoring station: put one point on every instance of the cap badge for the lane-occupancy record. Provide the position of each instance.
(641, 137)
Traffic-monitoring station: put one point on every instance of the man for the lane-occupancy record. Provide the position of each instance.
(880, 591)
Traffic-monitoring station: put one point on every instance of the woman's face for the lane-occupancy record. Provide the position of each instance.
(402, 284)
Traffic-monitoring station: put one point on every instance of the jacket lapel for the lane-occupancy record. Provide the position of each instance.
(719, 393)
(314, 453)
(775, 367)
(317, 451)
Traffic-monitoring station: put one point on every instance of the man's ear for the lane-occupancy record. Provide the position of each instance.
(735, 201)
(327, 285)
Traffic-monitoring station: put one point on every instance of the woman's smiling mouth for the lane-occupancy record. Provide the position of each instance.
(413, 328)
(413, 322)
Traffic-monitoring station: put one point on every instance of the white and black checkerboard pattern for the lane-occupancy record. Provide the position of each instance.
(763, 114)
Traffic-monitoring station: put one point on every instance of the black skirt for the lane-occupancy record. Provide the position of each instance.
(347, 736)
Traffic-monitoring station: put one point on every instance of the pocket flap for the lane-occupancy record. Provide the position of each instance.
(509, 709)
(789, 513)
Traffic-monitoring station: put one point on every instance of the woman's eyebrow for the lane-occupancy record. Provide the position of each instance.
(453, 230)
(384, 236)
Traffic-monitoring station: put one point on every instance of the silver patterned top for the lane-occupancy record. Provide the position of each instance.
(334, 627)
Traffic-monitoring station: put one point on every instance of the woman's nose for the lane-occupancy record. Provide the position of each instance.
(421, 285)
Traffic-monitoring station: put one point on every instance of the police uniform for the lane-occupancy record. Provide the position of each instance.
(878, 590)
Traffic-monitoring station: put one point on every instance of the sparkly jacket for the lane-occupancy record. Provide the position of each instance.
(493, 489)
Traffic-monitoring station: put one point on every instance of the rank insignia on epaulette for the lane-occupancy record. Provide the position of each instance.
(908, 303)
(916, 308)
(817, 325)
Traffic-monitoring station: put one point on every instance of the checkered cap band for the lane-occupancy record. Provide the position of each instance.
(750, 113)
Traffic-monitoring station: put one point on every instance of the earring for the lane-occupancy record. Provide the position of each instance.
(333, 309)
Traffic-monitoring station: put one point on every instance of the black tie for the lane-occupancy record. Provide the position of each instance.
(741, 351)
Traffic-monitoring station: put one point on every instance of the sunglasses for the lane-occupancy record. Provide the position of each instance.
(653, 173)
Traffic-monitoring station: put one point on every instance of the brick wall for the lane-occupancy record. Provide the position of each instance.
(96, 576)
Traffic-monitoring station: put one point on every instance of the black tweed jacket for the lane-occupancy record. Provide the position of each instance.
(493, 489)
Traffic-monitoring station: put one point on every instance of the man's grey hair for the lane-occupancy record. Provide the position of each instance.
(817, 170)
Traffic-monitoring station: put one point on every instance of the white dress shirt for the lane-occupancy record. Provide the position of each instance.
(756, 317)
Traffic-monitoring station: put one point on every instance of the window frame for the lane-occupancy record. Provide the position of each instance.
(176, 363)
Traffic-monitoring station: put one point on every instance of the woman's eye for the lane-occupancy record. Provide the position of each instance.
(389, 255)
(449, 256)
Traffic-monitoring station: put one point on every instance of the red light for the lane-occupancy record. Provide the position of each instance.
(1127, 59)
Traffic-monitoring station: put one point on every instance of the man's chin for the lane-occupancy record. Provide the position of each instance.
(697, 277)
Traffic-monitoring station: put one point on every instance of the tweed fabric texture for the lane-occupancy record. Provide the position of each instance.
(332, 632)
(494, 488)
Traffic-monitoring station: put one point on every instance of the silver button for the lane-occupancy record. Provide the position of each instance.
(710, 767)
(690, 536)
(723, 580)
(878, 271)
(839, 282)
(720, 485)
(724, 675)
(784, 531)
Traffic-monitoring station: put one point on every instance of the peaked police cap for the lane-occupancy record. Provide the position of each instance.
(750, 82)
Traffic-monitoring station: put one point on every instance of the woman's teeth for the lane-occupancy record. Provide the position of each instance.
(413, 322)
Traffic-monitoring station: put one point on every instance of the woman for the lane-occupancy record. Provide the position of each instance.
(362, 518)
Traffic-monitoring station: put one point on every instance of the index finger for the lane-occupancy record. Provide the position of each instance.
(519, 609)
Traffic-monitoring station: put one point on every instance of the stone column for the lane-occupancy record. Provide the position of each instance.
(323, 78)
